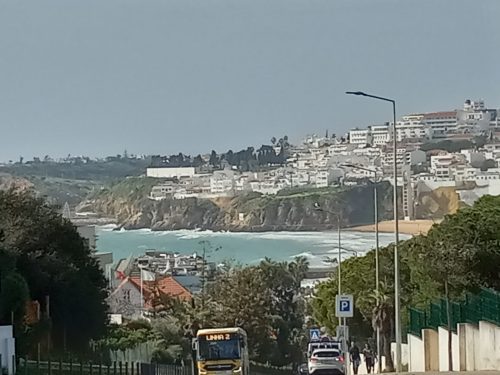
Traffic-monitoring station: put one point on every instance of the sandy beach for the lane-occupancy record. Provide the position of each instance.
(412, 227)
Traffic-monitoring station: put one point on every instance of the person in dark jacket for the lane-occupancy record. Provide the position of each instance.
(355, 357)
(369, 358)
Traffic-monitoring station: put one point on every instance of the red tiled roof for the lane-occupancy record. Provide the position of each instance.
(166, 286)
(440, 114)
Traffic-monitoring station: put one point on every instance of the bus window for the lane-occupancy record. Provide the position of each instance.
(219, 349)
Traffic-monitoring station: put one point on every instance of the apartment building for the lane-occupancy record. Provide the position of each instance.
(442, 164)
(360, 136)
(412, 127)
(375, 135)
(381, 134)
(440, 123)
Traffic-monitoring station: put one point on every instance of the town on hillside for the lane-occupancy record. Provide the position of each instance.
(457, 149)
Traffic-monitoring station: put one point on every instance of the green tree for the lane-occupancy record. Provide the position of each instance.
(57, 265)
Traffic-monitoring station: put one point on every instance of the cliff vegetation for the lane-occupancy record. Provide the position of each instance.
(292, 209)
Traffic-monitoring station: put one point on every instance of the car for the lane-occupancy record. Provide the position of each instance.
(303, 369)
(326, 362)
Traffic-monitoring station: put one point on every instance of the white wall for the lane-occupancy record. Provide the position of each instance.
(468, 336)
(7, 349)
(489, 346)
(443, 350)
(416, 354)
(404, 353)
(167, 172)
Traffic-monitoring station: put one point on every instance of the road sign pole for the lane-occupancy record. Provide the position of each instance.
(345, 309)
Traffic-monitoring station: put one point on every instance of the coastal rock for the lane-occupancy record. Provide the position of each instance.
(289, 210)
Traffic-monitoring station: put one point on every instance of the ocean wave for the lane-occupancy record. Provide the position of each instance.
(106, 228)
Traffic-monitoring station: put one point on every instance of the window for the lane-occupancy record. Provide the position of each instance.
(327, 354)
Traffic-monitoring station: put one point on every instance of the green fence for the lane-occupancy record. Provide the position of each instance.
(474, 308)
(117, 368)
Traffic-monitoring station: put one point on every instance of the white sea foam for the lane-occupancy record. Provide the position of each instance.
(106, 228)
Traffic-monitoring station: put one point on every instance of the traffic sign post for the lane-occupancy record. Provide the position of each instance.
(344, 308)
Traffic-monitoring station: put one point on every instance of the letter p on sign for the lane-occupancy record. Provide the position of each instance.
(344, 306)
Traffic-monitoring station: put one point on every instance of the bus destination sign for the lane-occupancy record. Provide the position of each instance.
(218, 337)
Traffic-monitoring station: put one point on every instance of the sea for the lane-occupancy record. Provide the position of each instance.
(245, 248)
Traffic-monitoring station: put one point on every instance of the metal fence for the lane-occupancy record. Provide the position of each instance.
(24, 367)
(261, 369)
(484, 306)
(79, 368)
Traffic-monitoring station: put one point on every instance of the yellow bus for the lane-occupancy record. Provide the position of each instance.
(222, 351)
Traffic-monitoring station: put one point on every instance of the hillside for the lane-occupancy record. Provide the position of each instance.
(127, 201)
(57, 191)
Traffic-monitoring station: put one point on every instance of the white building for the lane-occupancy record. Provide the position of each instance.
(412, 127)
(441, 123)
(387, 157)
(222, 182)
(162, 191)
(374, 135)
(475, 118)
(381, 134)
(360, 136)
(170, 172)
(441, 163)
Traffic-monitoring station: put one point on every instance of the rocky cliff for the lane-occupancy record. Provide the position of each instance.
(128, 202)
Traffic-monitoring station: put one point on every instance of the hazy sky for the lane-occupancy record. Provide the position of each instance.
(96, 77)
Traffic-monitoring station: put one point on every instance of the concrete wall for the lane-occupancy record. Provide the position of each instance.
(468, 340)
(404, 353)
(443, 350)
(431, 349)
(416, 356)
(489, 346)
(474, 348)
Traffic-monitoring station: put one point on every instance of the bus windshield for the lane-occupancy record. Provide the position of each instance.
(219, 348)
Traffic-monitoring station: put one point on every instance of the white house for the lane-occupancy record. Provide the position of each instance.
(222, 182)
(170, 172)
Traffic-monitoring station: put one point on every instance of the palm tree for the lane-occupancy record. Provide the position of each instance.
(382, 318)
(298, 269)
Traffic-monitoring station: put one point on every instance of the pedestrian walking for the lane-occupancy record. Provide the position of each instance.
(355, 357)
(369, 358)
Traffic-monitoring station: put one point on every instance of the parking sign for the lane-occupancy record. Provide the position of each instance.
(344, 306)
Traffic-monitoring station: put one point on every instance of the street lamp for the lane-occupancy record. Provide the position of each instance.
(397, 286)
(377, 277)
(317, 207)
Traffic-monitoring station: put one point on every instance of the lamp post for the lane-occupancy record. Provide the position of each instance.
(317, 207)
(397, 287)
(377, 276)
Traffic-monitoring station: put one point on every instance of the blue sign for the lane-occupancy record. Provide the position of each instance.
(345, 306)
(315, 334)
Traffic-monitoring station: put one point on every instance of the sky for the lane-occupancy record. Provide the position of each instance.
(96, 77)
